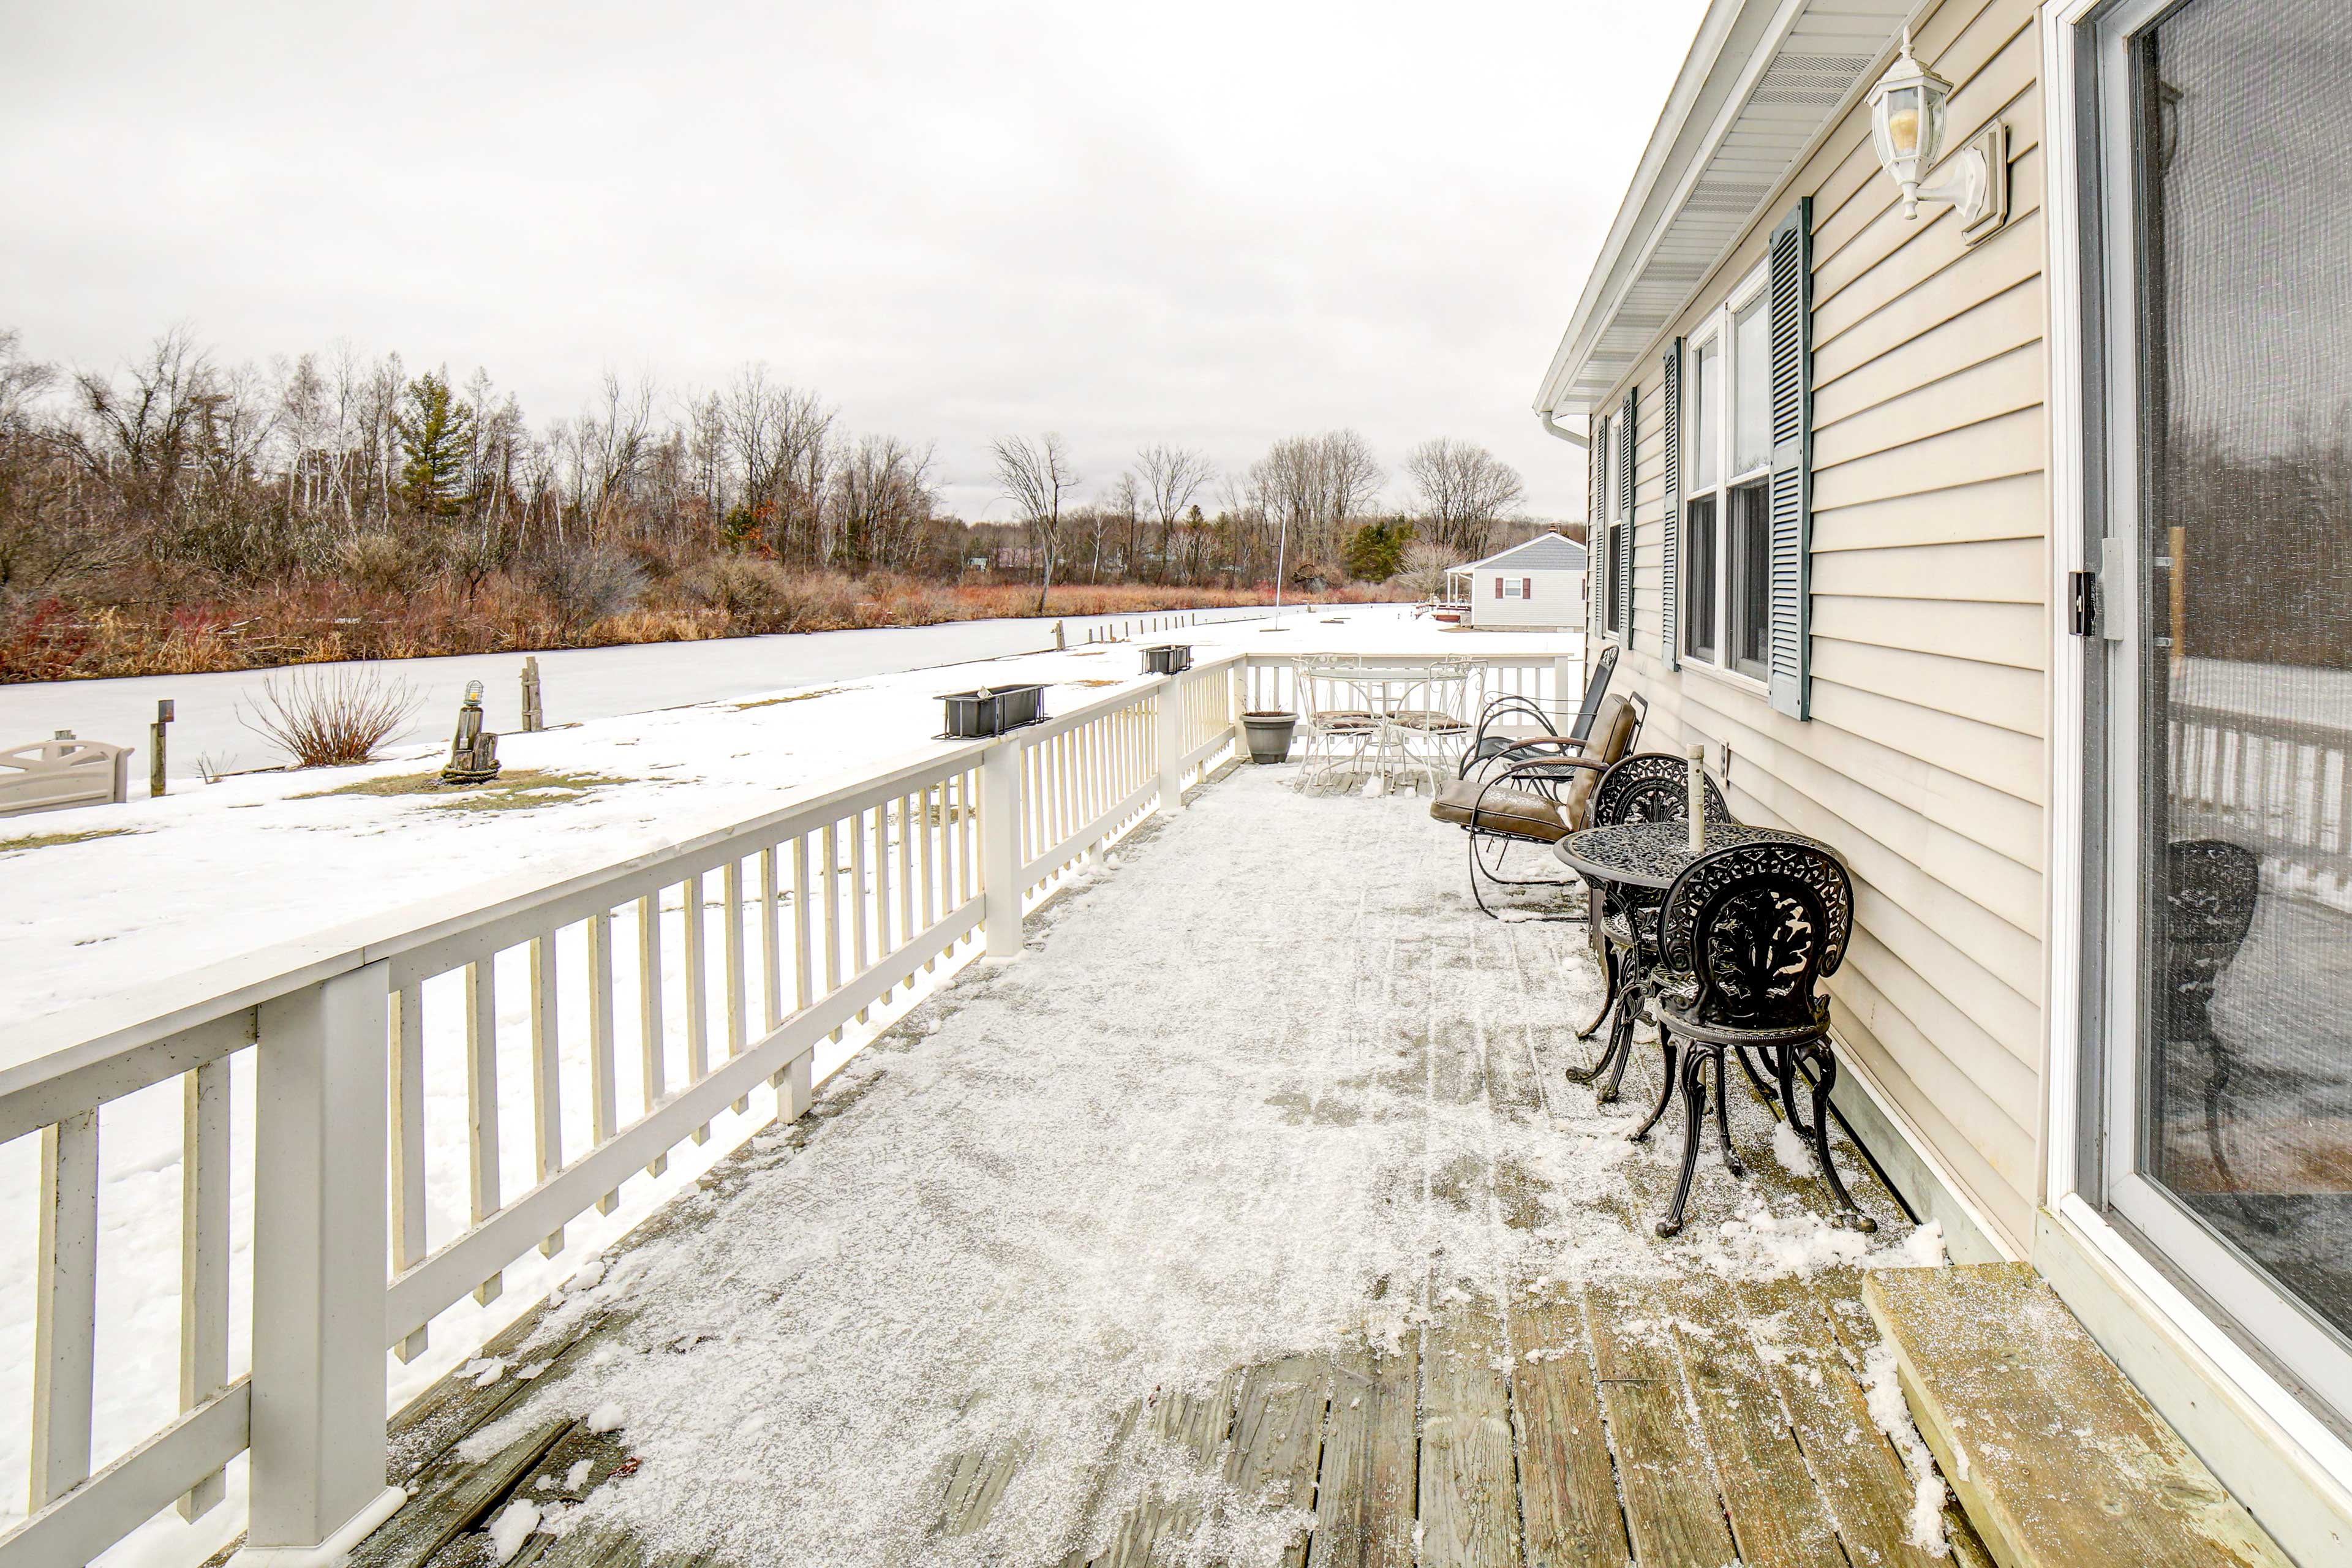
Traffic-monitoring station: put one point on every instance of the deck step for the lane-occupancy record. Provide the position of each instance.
(2058, 1460)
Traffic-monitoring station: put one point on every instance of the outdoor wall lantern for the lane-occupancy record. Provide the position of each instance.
(1907, 129)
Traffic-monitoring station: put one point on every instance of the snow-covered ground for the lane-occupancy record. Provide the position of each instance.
(217, 872)
(576, 683)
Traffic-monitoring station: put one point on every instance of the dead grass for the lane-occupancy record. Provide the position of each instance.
(518, 789)
(790, 696)
(47, 840)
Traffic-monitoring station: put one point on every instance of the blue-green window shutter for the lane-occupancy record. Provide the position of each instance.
(1596, 532)
(1790, 500)
(1670, 540)
(1626, 421)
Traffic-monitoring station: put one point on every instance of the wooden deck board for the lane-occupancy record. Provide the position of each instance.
(1567, 1488)
(1364, 1493)
(1671, 1510)
(1468, 1493)
(2012, 1392)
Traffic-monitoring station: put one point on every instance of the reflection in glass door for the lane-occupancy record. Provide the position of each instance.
(2229, 299)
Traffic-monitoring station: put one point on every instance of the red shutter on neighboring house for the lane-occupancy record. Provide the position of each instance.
(1498, 585)
(1527, 587)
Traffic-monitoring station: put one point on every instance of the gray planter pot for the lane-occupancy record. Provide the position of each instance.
(1269, 735)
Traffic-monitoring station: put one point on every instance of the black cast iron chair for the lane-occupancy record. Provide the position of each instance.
(2210, 888)
(1511, 718)
(1747, 936)
(1648, 787)
(1535, 792)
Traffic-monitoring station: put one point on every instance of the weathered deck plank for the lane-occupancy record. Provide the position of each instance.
(1469, 1499)
(1567, 1490)
(2012, 1392)
(1671, 1510)
(1364, 1495)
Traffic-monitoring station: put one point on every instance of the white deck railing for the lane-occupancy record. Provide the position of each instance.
(792, 928)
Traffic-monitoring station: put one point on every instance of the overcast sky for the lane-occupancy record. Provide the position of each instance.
(1209, 223)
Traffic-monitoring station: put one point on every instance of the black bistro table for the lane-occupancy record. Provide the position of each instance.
(1631, 865)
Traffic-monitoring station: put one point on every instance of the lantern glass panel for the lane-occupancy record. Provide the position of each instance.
(1902, 123)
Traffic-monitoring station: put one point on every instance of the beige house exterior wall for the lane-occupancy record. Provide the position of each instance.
(1923, 760)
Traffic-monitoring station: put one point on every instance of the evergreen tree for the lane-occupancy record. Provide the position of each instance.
(1375, 553)
(436, 439)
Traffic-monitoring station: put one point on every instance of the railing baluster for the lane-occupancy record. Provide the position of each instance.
(406, 1140)
(482, 1103)
(697, 993)
(203, 1254)
(771, 953)
(906, 928)
(653, 1039)
(803, 981)
(546, 1076)
(930, 824)
(731, 878)
(832, 845)
(857, 900)
(604, 1094)
(65, 1308)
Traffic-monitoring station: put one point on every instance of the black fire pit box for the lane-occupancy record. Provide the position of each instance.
(1169, 659)
(973, 715)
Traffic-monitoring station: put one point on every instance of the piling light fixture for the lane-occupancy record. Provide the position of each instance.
(1907, 130)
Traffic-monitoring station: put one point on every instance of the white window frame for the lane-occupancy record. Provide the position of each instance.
(1715, 329)
(1513, 588)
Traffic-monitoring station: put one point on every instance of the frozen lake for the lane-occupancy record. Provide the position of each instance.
(576, 684)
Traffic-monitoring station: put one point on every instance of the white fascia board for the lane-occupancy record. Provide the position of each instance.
(1706, 49)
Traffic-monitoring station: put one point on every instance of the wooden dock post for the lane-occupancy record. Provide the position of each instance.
(164, 715)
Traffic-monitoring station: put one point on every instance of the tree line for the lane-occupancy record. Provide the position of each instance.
(334, 504)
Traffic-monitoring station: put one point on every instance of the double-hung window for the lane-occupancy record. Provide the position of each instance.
(1727, 452)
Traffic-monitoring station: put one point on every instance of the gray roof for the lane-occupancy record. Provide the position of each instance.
(1549, 553)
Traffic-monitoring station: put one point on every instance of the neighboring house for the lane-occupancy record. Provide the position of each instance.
(2002, 547)
(1535, 586)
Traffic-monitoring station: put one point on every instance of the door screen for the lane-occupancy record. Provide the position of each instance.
(2240, 650)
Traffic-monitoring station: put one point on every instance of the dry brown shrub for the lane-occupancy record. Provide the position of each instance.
(330, 718)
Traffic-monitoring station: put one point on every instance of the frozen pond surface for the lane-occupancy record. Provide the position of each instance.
(576, 683)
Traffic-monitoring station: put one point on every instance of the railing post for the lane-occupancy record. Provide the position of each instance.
(318, 1199)
(1000, 847)
(1566, 686)
(1172, 743)
(1237, 703)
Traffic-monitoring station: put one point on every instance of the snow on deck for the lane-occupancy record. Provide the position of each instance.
(1259, 1162)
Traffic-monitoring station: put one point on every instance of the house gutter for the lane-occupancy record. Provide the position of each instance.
(1581, 442)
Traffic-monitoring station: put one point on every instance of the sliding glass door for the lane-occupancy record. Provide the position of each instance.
(2226, 610)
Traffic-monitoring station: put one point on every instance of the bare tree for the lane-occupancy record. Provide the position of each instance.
(1460, 491)
(1173, 478)
(880, 498)
(1036, 477)
(1312, 487)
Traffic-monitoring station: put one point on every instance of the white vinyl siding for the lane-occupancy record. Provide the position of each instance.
(1527, 599)
(1923, 758)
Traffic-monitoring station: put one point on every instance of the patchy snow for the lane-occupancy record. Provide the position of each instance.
(1230, 1109)
(1893, 1413)
(512, 1527)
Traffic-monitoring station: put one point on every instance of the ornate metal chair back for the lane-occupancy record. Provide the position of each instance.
(1760, 925)
(1654, 786)
(2209, 901)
